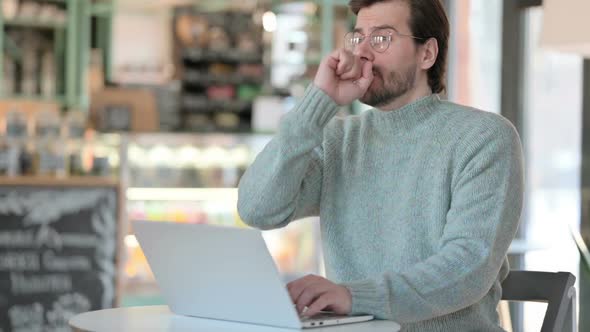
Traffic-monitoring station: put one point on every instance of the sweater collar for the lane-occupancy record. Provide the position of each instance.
(408, 116)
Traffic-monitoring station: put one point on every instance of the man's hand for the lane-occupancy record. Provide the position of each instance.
(317, 293)
(344, 76)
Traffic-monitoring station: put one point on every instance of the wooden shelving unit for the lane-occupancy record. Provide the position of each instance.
(85, 21)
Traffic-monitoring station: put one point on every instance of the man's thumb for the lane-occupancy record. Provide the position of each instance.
(366, 76)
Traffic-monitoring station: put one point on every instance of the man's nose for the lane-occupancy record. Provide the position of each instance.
(364, 50)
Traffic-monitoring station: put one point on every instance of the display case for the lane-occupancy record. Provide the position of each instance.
(193, 178)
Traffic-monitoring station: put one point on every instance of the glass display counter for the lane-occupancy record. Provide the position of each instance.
(193, 178)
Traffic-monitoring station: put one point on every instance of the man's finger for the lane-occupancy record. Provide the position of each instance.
(345, 63)
(321, 303)
(367, 76)
(332, 63)
(355, 71)
(296, 287)
(309, 294)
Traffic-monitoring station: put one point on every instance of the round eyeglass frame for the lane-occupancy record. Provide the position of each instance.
(375, 33)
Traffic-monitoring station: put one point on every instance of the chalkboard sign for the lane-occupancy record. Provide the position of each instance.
(58, 254)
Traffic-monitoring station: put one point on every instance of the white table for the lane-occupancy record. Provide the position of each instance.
(159, 318)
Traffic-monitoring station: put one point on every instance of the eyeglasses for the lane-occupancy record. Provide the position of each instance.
(379, 39)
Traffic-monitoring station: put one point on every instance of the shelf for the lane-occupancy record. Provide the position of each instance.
(72, 181)
(34, 98)
(182, 194)
(199, 78)
(231, 55)
(202, 104)
(343, 3)
(307, 62)
(177, 139)
(30, 23)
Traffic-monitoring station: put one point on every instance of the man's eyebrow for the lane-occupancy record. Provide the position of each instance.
(383, 26)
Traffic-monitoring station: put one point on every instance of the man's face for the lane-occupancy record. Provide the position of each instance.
(395, 69)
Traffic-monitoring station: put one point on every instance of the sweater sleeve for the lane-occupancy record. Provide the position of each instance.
(487, 195)
(284, 182)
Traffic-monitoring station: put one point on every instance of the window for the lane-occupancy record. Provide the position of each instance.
(552, 136)
(475, 54)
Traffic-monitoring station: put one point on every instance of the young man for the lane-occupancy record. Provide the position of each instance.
(418, 198)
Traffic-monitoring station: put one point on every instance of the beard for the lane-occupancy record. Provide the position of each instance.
(393, 85)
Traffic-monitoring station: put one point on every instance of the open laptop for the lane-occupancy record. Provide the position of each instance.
(222, 273)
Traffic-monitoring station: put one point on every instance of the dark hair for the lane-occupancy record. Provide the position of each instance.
(428, 19)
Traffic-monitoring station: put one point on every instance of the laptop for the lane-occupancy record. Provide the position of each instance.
(222, 273)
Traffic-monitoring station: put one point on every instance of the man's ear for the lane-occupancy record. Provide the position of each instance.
(429, 53)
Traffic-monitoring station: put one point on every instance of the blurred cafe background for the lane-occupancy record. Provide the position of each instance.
(119, 110)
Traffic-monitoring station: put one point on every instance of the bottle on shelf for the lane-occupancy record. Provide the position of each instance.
(30, 65)
(5, 156)
(17, 147)
(50, 153)
(48, 75)
(74, 128)
(9, 78)
(8, 155)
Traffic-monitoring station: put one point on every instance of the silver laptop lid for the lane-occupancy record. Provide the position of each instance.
(216, 272)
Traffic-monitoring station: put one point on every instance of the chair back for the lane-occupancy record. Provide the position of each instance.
(555, 289)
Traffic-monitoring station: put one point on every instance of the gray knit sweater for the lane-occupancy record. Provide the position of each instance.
(417, 206)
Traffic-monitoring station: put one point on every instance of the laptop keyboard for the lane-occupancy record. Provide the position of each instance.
(321, 316)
